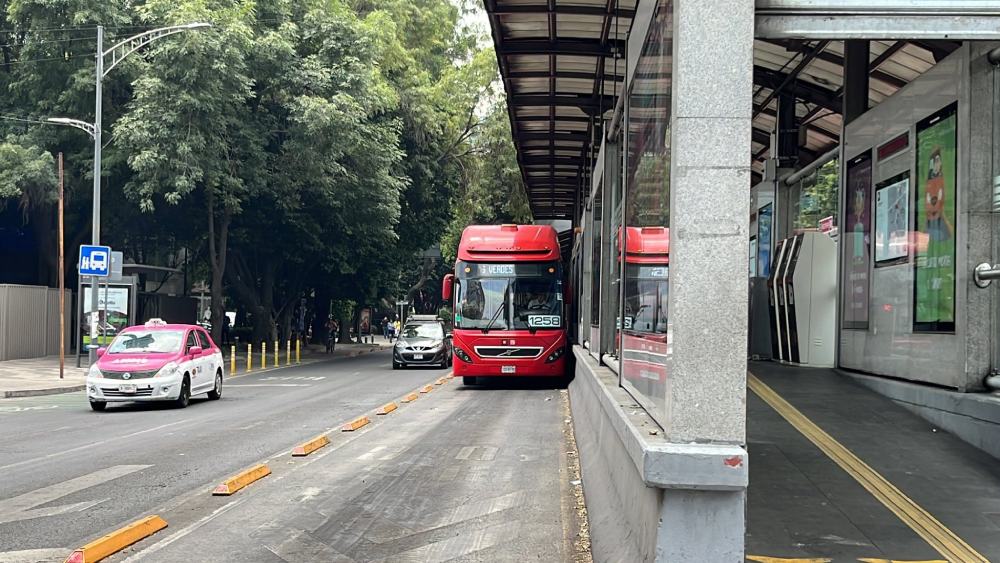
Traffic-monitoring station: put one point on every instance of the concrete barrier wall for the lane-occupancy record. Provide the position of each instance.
(29, 321)
(648, 499)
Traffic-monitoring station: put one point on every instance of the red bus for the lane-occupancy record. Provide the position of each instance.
(508, 303)
(645, 347)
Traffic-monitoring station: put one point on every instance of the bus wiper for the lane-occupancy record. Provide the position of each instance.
(495, 316)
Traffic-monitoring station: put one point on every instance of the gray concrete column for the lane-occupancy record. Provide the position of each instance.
(710, 220)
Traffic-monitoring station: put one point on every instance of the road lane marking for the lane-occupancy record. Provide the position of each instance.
(269, 385)
(92, 444)
(33, 555)
(936, 534)
(11, 410)
(22, 507)
(488, 453)
(143, 553)
(371, 453)
(465, 452)
(459, 546)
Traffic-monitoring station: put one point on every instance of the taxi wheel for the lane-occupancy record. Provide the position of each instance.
(185, 397)
(216, 393)
(98, 405)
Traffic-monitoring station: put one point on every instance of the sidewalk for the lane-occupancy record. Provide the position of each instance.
(40, 376)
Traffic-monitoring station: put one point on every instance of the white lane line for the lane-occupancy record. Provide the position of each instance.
(21, 507)
(184, 531)
(371, 453)
(465, 452)
(458, 546)
(34, 555)
(92, 444)
(299, 547)
(269, 385)
(489, 453)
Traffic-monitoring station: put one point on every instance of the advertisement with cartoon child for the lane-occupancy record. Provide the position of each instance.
(858, 241)
(934, 305)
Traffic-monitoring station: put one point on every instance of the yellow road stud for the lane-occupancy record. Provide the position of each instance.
(410, 398)
(427, 389)
(440, 381)
(386, 408)
(117, 540)
(240, 480)
(311, 446)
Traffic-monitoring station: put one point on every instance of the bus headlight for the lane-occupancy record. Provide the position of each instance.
(555, 355)
(463, 355)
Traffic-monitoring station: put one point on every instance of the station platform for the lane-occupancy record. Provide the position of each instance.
(841, 473)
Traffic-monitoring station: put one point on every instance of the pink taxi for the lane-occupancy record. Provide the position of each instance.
(156, 362)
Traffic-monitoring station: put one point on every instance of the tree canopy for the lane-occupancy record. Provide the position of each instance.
(297, 149)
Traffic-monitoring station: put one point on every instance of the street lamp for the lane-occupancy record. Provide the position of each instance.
(112, 56)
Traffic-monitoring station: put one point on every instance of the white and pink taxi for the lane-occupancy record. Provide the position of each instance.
(156, 362)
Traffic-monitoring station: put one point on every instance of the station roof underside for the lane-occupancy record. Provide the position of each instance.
(563, 68)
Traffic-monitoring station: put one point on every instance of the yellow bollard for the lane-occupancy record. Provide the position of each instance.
(263, 355)
(232, 361)
(249, 357)
(288, 352)
(298, 351)
(277, 350)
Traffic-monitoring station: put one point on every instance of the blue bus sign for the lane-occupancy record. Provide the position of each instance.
(95, 260)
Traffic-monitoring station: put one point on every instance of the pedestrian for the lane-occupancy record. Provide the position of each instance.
(395, 329)
(331, 334)
(225, 329)
(385, 328)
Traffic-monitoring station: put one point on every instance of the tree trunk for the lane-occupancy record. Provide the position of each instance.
(217, 250)
(321, 310)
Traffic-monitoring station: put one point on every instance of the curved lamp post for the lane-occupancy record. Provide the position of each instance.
(107, 60)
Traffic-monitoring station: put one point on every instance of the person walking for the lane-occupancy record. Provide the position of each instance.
(225, 329)
(332, 328)
(385, 328)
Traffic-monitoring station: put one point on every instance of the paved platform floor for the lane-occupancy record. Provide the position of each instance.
(804, 505)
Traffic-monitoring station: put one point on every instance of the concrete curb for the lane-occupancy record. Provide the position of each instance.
(40, 392)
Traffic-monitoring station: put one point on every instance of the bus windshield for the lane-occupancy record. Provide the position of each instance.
(508, 296)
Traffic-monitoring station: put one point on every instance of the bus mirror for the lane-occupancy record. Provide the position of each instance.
(446, 287)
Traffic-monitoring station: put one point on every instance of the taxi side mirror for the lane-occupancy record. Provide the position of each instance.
(195, 350)
(447, 286)
(101, 351)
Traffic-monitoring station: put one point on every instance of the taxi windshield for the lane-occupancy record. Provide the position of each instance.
(147, 342)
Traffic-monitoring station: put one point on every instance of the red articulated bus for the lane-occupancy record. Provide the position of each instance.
(508, 303)
(645, 346)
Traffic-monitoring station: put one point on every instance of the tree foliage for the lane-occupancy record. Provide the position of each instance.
(297, 149)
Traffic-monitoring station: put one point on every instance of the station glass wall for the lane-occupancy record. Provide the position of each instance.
(815, 199)
(643, 332)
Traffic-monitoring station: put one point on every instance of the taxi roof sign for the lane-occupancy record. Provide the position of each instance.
(156, 322)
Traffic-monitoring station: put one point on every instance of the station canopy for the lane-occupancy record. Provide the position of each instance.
(563, 68)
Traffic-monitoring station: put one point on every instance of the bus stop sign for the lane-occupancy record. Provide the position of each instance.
(95, 260)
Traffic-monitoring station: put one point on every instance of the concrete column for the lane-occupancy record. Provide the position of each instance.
(710, 221)
(857, 54)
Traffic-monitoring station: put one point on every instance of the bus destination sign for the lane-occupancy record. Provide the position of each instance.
(496, 269)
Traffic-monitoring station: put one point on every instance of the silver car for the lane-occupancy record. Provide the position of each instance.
(422, 344)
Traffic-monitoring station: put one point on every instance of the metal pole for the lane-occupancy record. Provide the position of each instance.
(62, 278)
(96, 218)
(79, 307)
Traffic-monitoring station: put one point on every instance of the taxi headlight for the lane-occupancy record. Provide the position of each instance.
(167, 370)
(94, 372)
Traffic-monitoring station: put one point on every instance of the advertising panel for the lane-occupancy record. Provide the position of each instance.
(764, 223)
(857, 241)
(934, 278)
(892, 216)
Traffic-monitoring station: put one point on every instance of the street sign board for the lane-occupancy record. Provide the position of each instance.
(117, 260)
(95, 260)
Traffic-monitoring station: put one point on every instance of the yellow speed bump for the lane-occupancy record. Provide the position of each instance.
(355, 424)
(386, 408)
(311, 446)
(240, 480)
(410, 398)
(427, 389)
(440, 381)
(117, 540)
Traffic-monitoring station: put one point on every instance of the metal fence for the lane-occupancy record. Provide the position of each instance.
(29, 321)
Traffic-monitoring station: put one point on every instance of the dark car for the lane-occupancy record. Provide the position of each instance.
(422, 344)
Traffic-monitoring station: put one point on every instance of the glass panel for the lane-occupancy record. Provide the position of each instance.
(815, 208)
(644, 243)
(147, 342)
(537, 303)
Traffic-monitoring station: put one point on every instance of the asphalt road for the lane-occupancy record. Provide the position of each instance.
(462, 474)
(68, 474)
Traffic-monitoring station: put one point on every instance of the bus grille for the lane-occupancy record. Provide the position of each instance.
(508, 351)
